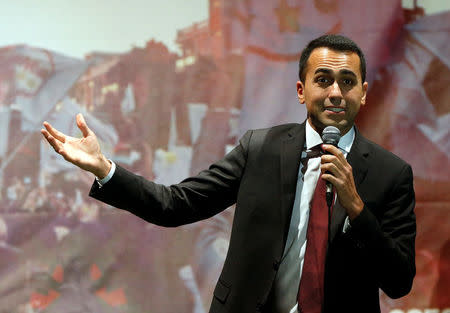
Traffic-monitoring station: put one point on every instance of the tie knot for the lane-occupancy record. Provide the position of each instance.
(313, 152)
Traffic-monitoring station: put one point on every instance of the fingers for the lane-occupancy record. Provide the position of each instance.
(330, 178)
(338, 174)
(336, 170)
(333, 151)
(81, 123)
(332, 163)
(334, 166)
(54, 133)
(330, 167)
(56, 144)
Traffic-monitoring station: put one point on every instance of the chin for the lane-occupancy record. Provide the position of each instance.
(343, 126)
(332, 123)
(320, 123)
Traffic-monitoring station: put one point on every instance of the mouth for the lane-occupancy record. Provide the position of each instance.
(335, 109)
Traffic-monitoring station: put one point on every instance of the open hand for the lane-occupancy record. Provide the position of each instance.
(83, 152)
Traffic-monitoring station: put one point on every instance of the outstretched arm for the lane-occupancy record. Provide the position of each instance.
(193, 199)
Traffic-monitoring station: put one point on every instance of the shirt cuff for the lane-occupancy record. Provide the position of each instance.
(104, 180)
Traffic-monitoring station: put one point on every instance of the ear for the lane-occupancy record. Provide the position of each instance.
(365, 86)
(301, 92)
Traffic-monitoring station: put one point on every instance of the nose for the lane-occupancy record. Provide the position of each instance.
(335, 94)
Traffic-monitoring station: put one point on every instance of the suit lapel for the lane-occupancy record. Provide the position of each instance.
(357, 158)
(291, 150)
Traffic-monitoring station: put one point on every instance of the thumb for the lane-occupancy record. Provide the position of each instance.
(81, 123)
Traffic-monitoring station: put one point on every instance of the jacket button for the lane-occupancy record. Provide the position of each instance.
(276, 265)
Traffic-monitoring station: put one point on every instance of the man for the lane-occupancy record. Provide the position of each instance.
(267, 268)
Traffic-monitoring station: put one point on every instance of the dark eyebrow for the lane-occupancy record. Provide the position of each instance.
(323, 70)
(347, 72)
(328, 71)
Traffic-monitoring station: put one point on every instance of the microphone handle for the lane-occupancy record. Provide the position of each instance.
(329, 198)
(329, 194)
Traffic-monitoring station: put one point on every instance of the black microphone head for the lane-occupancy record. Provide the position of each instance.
(331, 135)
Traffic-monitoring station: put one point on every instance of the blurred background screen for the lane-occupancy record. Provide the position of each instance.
(169, 87)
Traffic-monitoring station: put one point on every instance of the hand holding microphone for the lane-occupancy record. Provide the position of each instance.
(330, 136)
(339, 174)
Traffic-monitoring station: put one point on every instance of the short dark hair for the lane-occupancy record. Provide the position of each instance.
(334, 42)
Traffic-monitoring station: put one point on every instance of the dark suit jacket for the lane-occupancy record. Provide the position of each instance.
(259, 175)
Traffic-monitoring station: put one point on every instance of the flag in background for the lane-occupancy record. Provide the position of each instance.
(36, 79)
(32, 81)
(421, 105)
(272, 33)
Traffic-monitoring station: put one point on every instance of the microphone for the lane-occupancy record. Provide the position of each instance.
(330, 136)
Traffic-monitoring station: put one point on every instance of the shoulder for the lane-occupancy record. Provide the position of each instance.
(379, 155)
(280, 132)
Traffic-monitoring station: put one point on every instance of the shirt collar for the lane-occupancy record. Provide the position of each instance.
(313, 138)
(346, 141)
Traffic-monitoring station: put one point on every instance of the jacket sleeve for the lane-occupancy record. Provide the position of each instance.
(193, 199)
(389, 240)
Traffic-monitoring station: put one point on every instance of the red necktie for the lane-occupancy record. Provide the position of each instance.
(310, 296)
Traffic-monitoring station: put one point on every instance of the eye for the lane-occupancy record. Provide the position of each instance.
(323, 80)
(348, 81)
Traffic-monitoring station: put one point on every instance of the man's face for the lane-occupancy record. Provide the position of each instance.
(333, 91)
